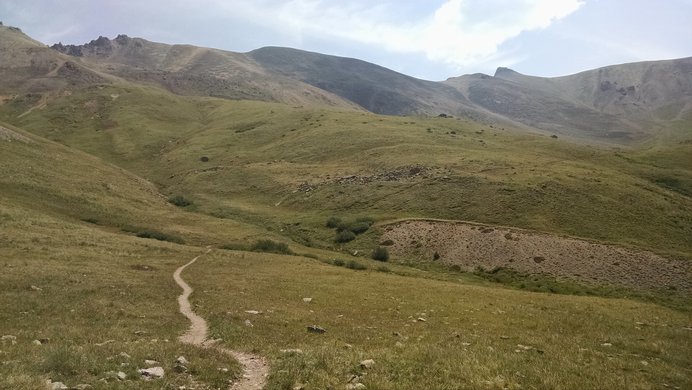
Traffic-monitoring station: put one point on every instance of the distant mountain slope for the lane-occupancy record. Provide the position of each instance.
(191, 70)
(377, 89)
(541, 108)
(654, 88)
(620, 102)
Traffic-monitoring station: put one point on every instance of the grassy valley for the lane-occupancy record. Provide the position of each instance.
(110, 184)
(272, 162)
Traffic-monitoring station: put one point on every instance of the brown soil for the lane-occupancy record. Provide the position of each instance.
(470, 246)
(255, 368)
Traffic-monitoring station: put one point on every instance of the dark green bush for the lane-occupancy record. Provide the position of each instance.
(271, 247)
(356, 265)
(333, 222)
(338, 262)
(359, 227)
(179, 201)
(380, 254)
(342, 226)
(159, 236)
(344, 236)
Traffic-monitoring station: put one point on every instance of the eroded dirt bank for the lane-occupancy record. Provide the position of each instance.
(470, 246)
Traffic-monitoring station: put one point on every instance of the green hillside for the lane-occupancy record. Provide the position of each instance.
(100, 300)
(109, 184)
(273, 164)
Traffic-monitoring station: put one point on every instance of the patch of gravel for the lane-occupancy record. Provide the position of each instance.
(470, 246)
(9, 135)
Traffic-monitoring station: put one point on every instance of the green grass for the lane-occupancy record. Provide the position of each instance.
(549, 284)
(93, 295)
(375, 310)
(66, 209)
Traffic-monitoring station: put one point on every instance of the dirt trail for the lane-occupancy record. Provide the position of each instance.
(255, 368)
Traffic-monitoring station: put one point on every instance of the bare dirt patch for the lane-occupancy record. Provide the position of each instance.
(9, 135)
(470, 246)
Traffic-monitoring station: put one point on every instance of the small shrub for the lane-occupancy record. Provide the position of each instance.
(179, 201)
(338, 262)
(380, 254)
(356, 265)
(159, 236)
(63, 361)
(234, 246)
(344, 236)
(436, 256)
(271, 247)
(359, 227)
(387, 243)
(383, 268)
(347, 231)
(310, 256)
(204, 159)
(342, 226)
(333, 222)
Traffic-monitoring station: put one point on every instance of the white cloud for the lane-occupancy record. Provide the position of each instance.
(459, 33)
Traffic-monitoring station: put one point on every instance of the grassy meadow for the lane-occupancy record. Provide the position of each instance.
(432, 334)
(80, 197)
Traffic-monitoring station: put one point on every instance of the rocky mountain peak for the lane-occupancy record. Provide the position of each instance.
(506, 73)
(101, 46)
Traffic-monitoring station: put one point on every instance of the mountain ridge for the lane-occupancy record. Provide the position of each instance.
(620, 104)
(196, 71)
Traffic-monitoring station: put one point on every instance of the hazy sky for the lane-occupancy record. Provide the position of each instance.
(431, 39)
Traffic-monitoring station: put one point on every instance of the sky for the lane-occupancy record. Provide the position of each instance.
(429, 39)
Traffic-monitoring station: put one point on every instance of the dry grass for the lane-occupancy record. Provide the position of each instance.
(470, 338)
(92, 295)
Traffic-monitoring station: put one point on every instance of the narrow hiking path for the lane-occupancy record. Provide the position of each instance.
(255, 368)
